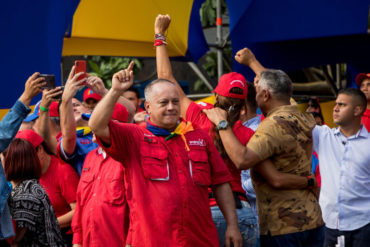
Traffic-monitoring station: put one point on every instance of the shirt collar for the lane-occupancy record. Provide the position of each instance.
(102, 152)
(362, 132)
(283, 108)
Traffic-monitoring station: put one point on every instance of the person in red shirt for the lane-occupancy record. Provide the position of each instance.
(363, 81)
(102, 214)
(59, 181)
(170, 166)
(231, 94)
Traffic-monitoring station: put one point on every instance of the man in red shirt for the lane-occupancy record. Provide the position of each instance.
(363, 81)
(170, 166)
(102, 214)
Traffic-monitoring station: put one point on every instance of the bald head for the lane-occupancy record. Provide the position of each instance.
(152, 88)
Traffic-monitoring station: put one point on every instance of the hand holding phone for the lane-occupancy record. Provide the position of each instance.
(49, 79)
(80, 66)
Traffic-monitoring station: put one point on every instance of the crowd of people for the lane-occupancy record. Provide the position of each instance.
(104, 172)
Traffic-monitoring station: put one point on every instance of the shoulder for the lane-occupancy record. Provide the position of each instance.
(242, 132)
(30, 190)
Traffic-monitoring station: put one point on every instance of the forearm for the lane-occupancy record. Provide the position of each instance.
(66, 219)
(68, 126)
(129, 106)
(19, 234)
(256, 67)
(102, 114)
(240, 155)
(225, 200)
(11, 122)
(43, 129)
(280, 180)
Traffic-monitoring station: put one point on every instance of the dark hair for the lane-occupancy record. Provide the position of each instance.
(357, 95)
(319, 115)
(134, 90)
(251, 96)
(21, 161)
(233, 107)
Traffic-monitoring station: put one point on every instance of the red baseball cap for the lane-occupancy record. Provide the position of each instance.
(89, 94)
(30, 136)
(53, 109)
(120, 113)
(362, 76)
(229, 81)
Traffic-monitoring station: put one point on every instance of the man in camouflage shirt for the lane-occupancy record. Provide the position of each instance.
(286, 217)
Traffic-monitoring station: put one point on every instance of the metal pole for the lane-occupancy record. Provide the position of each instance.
(339, 85)
(200, 75)
(219, 40)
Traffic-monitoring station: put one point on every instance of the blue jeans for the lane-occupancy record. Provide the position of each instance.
(247, 225)
(309, 238)
(356, 238)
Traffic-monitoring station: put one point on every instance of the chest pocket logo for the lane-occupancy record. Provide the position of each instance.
(199, 167)
(154, 161)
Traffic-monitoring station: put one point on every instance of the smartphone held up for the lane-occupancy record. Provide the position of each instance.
(80, 66)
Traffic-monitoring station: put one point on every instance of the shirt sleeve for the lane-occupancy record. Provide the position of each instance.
(219, 172)
(266, 141)
(198, 119)
(76, 224)
(316, 132)
(68, 182)
(125, 140)
(26, 211)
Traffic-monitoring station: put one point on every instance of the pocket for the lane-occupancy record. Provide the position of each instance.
(154, 162)
(199, 167)
(116, 192)
(85, 183)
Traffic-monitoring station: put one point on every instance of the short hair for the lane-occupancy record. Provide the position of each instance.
(148, 89)
(277, 82)
(357, 95)
(21, 161)
(251, 96)
(134, 90)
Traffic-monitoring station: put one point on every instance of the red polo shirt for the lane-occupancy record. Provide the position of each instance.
(200, 120)
(102, 216)
(366, 119)
(60, 183)
(169, 205)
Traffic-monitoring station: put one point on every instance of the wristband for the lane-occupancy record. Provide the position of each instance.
(310, 182)
(160, 37)
(159, 42)
(44, 109)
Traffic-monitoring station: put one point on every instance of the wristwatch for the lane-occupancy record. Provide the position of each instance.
(310, 183)
(222, 125)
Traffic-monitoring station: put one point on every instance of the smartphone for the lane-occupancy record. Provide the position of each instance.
(49, 79)
(80, 66)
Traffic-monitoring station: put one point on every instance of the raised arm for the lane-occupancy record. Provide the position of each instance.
(67, 120)
(102, 113)
(11, 122)
(246, 57)
(97, 85)
(164, 69)
(43, 128)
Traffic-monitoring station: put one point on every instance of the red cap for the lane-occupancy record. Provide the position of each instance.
(30, 136)
(89, 94)
(120, 113)
(53, 109)
(229, 81)
(360, 77)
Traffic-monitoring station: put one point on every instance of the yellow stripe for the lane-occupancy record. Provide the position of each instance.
(126, 28)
